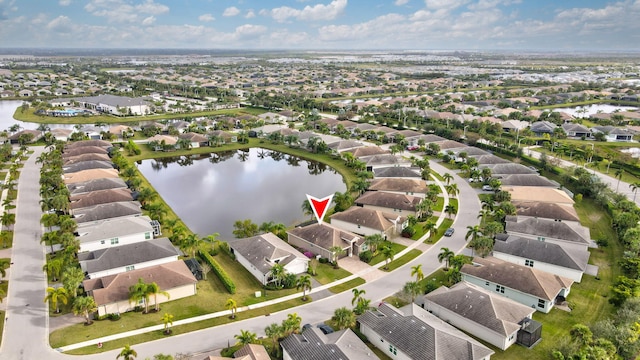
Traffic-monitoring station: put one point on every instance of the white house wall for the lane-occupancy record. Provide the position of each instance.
(106, 243)
(356, 229)
(125, 305)
(118, 270)
(515, 295)
(382, 344)
(252, 269)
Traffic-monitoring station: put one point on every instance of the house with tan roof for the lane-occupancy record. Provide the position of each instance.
(539, 194)
(531, 287)
(87, 165)
(404, 205)
(363, 221)
(413, 333)
(320, 238)
(413, 187)
(383, 160)
(196, 140)
(258, 254)
(363, 151)
(75, 151)
(527, 180)
(91, 174)
(100, 197)
(85, 143)
(111, 293)
(547, 210)
(479, 312)
(85, 157)
(95, 185)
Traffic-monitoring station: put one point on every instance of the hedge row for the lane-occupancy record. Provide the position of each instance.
(219, 271)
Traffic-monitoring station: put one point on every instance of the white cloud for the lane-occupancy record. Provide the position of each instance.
(149, 20)
(231, 11)
(249, 31)
(250, 14)
(64, 2)
(61, 24)
(206, 17)
(444, 4)
(490, 4)
(401, 2)
(318, 12)
(122, 12)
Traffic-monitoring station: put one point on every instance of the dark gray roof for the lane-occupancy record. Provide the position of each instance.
(421, 335)
(543, 251)
(450, 144)
(487, 309)
(389, 200)
(564, 230)
(326, 236)
(107, 211)
(312, 344)
(125, 255)
(429, 138)
(367, 151)
(397, 171)
(575, 128)
(527, 180)
(86, 165)
(381, 159)
(489, 159)
(262, 250)
(525, 279)
(543, 127)
(508, 168)
(95, 185)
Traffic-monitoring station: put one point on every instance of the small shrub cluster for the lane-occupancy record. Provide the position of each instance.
(366, 256)
(220, 273)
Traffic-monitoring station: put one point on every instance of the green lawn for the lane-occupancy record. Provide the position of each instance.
(325, 273)
(378, 258)
(347, 285)
(6, 238)
(2, 313)
(439, 204)
(446, 223)
(412, 254)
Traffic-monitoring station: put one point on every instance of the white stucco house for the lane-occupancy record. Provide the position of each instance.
(101, 234)
(364, 221)
(260, 253)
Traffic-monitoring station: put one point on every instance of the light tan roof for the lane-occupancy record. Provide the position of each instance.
(91, 174)
(396, 184)
(370, 218)
(169, 140)
(540, 194)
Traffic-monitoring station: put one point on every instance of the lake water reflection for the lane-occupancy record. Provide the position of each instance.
(211, 191)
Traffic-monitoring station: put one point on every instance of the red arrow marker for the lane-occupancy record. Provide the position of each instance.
(319, 206)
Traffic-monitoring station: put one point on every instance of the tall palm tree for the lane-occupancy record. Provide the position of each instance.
(84, 305)
(450, 210)
(445, 255)
(472, 232)
(72, 277)
(8, 219)
(388, 253)
(304, 283)
(154, 290)
(336, 253)
(53, 268)
(373, 241)
(618, 175)
(307, 209)
(452, 189)
(274, 332)
(232, 306)
(634, 187)
(291, 324)
(54, 295)
(413, 289)
(138, 292)
(430, 227)
(417, 272)
(344, 318)
(277, 274)
(127, 353)
(246, 337)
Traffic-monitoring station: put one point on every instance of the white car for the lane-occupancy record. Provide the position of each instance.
(487, 188)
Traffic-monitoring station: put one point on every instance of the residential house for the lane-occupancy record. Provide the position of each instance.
(88, 143)
(75, 151)
(363, 151)
(196, 140)
(272, 118)
(363, 221)
(535, 288)
(86, 165)
(612, 133)
(102, 234)
(119, 259)
(111, 293)
(397, 172)
(345, 145)
(116, 105)
(99, 197)
(312, 344)
(107, 211)
(35, 135)
(547, 210)
(95, 185)
(320, 238)
(85, 157)
(569, 262)
(383, 160)
(539, 194)
(61, 134)
(413, 187)
(507, 169)
(574, 130)
(162, 142)
(91, 174)
(260, 253)
(388, 202)
(412, 333)
(539, 128)
(564, 233)
(479, 312)
(489, 159)
(251, 352)
(526, 180)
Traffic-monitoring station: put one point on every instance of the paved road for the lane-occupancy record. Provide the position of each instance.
(612, 182)
(26, 332)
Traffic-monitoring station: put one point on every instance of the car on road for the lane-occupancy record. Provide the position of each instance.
(449, 232)
(326, 329)
(487, 188)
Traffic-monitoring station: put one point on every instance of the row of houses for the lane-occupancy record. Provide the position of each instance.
(118, 245)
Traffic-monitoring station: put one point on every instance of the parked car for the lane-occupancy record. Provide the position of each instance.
(449, 232)
(487, 188)
(306, 326)
(326, 329)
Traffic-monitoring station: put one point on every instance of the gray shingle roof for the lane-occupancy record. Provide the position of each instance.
(565, 230)
(107, 211)
(367, 151)
(95, 185)
(397, 171)
(345, 144)
(83, 150)
(125, 255)
(111, 228)
(77, 144)
(325, 235)
(86, 165)
(263, 249)
(491, 311)
(382, 159)
(543, 251)
(489, 159)
(470, 150)
(100, 197)
(546, 210)
(86, 157)
(540, 284)
(389, 200)
(421, 335)
(527, 180)
(312, 344)
(508, 168)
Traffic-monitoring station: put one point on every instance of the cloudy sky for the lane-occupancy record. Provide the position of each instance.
(322, 24)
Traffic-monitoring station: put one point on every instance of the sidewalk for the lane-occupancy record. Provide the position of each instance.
(370, 273)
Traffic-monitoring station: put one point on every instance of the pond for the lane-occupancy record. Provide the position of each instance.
(210, 192)
(585, 111)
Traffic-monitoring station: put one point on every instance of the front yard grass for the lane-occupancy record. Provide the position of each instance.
(326, 273)
(446, 223)
(6, 238)
(347, 285)
(379, 257)
(412, 254)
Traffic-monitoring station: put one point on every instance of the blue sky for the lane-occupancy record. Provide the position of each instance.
(322, 24)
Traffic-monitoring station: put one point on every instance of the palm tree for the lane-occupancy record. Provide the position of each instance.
(127, 353)
(4, 265)
(233, 306)
(291, 324)
(472, 232)
(417, 272)
(388, 253)
(53, 268)
(357, 295)
(72, 277)
(618, 175)
(482, 245)
(344, 318)
(307, 209)
(274, 332)
(154, 290)
(336, 252)
(634, 187)
(413, 289)
(430, 227)
(49, 220)
(191, 244)
(304, 283)
(373, 241)
(54, 295)
(452, 189)
(8, 219)
(359, 185)
(277, 274)
(450, 210)
(146, 195)
(84, 305)
(246, 337)
(138, 292)
(445, 255)
(167, 319)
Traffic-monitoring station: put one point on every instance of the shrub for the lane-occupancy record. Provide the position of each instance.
(408, 232)
(324, 260)
(366, 256)
(219, 271)
(309, 254)
(289, 281)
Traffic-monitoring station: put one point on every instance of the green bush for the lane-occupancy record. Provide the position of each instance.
(219, 271)
(366, 256)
